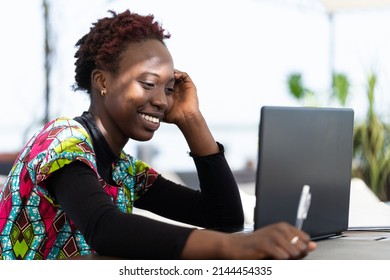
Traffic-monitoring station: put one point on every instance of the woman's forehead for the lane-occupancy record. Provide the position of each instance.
(137, 51)
(151, 53)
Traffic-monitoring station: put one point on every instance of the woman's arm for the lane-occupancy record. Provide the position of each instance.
(105, 228)
(270, 242)
(111, 232)
(219, 200)
(186, 115)
(217, 205)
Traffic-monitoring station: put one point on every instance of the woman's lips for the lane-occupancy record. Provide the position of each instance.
(150, 118)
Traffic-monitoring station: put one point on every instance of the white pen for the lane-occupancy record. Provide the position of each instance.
(303, 207)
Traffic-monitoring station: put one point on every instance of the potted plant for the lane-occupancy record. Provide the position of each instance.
(371, 143)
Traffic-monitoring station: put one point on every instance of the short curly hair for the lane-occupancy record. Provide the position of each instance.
(107, 39)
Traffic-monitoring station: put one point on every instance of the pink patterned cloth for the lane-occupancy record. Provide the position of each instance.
(32, 224)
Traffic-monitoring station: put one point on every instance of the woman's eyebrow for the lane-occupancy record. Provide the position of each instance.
(172, 79)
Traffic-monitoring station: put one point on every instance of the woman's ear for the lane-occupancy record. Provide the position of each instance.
(98, 79)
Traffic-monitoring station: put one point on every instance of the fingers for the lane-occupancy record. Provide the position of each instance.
(183, 79)
(180, 74)
(288, 242)
(295, 242)
(295, 247)
(312, 246)
(183, 103)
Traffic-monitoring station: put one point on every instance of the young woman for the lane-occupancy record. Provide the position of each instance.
(72, 188)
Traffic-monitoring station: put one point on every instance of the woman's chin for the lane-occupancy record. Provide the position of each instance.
(143, 138)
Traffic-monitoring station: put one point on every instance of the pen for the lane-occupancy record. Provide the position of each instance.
(303, 207)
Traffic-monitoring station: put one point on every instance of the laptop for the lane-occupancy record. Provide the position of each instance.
(301, 146)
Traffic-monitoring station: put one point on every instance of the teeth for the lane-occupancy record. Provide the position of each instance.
(150, 118)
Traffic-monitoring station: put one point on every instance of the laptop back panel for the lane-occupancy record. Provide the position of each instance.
(305, 146)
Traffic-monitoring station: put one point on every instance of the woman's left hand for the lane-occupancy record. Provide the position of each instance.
(185, 113)
(185, 103)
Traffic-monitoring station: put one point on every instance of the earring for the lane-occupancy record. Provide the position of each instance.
(103, 92)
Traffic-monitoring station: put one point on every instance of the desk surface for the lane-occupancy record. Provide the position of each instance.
(354, 245)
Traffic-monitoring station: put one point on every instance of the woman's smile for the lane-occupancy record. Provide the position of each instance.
(152, 123)
(150, 118)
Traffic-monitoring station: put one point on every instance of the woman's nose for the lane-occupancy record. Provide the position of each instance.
(160, 100)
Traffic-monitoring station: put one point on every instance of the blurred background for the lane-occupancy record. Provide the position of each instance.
(242, 54)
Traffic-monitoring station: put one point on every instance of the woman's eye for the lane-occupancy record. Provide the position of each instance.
(147, 85)
(169, 91)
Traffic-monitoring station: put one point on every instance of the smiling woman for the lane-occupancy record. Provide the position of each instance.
(73, 187)
(138, 91)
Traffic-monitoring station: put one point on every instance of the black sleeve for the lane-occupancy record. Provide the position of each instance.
(217, 205)
(106, 229)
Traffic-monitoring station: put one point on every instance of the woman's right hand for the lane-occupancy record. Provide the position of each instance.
(277, 241)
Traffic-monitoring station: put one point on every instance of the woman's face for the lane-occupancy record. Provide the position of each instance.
(138, 96)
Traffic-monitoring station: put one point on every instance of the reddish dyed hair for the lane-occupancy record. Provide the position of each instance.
(107, 39)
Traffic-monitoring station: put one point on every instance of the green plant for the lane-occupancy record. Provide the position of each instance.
(299, 91)
(340, 87)
(371, 143)
(371, 147)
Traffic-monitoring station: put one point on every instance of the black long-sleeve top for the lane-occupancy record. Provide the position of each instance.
(111, 232)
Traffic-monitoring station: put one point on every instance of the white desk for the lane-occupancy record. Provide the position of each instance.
(354, 245)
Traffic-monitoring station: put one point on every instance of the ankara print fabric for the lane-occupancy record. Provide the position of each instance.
(32, 224)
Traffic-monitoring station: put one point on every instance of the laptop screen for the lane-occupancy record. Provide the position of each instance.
(305, 146)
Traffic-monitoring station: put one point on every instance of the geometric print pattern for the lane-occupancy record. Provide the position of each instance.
(32, 224)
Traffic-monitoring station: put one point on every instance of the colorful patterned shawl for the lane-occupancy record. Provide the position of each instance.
(32, 224)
